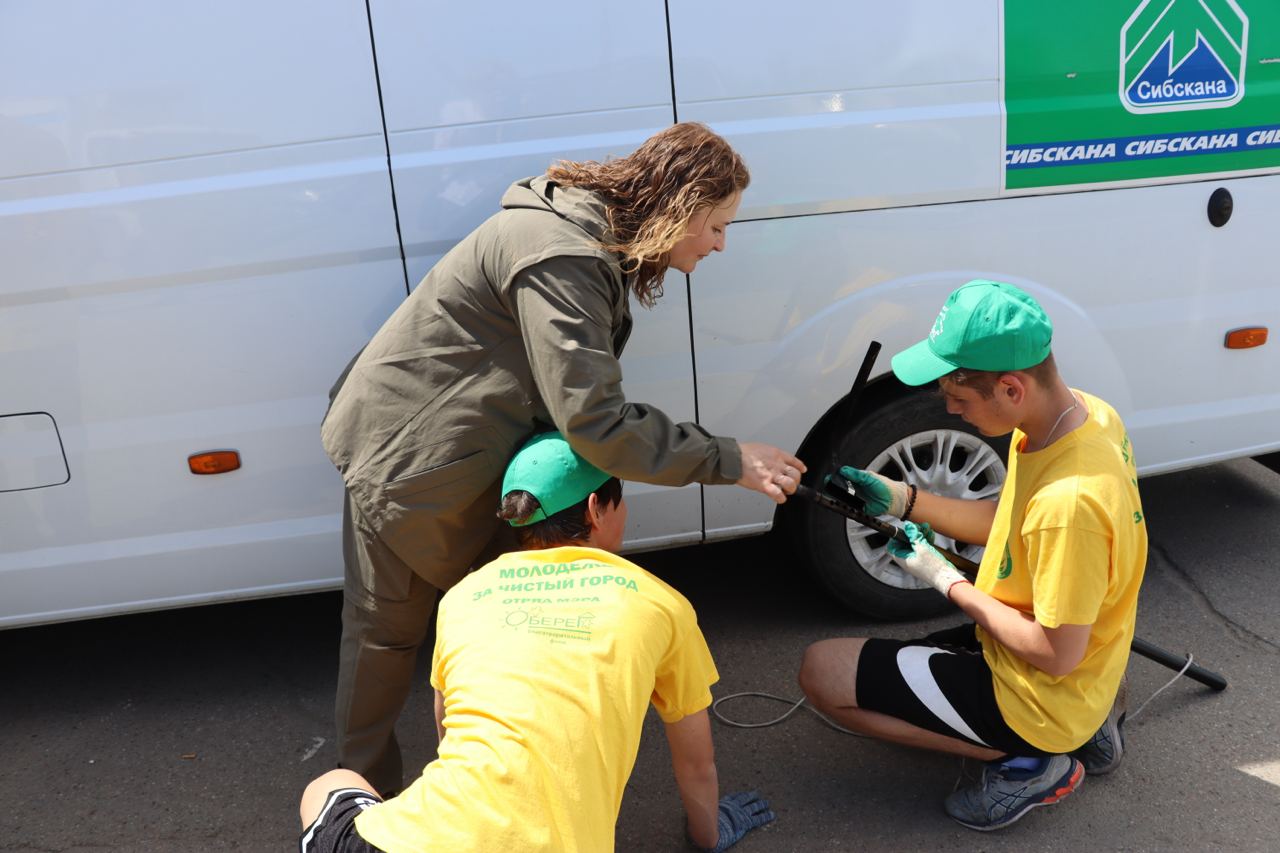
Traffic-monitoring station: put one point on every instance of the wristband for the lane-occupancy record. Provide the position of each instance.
(911, 502)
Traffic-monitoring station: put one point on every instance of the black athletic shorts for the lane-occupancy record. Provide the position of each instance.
(334, 829)
(941, 683)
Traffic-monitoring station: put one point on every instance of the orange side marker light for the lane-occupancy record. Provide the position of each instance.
(1250, 336)
(214, 462)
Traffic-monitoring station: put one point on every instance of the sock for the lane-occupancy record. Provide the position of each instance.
(1025, 762)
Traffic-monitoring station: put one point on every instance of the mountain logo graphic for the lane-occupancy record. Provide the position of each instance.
(1183, 55)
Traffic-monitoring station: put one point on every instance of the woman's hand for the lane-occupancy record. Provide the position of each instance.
(769, 470)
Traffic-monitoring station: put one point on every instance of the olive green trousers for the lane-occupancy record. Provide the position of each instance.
(386, 616)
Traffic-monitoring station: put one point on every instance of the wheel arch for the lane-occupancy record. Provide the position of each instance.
(882, 389)
(1083, 354)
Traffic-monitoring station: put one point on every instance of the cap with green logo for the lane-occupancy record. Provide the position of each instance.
(546, 467)
(984, 325)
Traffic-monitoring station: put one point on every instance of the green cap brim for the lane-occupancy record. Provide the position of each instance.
(920, 365)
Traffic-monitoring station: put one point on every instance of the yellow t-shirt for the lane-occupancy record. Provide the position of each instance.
(1076, 558)
(547, 661)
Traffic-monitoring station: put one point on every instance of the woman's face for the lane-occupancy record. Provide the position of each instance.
(706, 233)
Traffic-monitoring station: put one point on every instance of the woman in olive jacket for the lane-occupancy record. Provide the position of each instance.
(517, 329)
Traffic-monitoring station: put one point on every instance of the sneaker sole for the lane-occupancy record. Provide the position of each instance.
(1117, 743)
(1073, 782)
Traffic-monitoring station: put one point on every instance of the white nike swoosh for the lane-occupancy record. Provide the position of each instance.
(913, 663)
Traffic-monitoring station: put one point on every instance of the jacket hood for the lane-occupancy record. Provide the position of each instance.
(582, 207)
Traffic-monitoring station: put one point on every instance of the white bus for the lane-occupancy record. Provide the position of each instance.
(206, 209)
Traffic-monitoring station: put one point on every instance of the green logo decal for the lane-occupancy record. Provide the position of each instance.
(559, 626)
(1102, 91)
(1183, 55)
(1006, 564)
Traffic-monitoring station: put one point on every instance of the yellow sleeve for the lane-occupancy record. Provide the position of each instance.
(682, 683)
(1069, 568)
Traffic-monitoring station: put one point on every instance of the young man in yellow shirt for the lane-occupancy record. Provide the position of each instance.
(1031, 688)
(545, 663)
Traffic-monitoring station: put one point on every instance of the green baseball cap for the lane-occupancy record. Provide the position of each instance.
(984, 325)
(546, 467)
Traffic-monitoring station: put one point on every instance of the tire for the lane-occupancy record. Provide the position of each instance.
(913, 439)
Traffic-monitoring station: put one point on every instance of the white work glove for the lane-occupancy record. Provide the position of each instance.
(881, 495)
(922, 560)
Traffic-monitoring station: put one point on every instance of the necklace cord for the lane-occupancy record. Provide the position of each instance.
(1048, 439)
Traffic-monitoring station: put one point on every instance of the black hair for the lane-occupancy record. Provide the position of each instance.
(569, 526)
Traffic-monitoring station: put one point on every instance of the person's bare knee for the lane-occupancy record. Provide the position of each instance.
(829, 672)
(318, 791)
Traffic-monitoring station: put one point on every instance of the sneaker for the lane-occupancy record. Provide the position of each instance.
(1007, 793)
(1102, 753)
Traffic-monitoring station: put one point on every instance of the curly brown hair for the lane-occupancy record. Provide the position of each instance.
(652, 194)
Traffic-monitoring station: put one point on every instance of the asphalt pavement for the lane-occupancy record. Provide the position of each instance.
(197, 729)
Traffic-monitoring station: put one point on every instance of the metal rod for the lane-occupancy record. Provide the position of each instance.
(1195, 672)
(864, 373)
(890, 530)
(846, 413)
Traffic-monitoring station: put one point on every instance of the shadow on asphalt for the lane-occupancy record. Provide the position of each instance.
(1271, 460)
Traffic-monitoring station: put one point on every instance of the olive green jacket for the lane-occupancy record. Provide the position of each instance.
(517, 329)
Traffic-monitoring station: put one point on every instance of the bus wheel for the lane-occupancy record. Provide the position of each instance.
(912, 439)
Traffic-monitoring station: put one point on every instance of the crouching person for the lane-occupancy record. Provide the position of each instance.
(545, 663)
(1032, 687)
